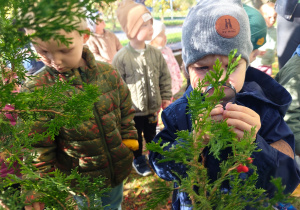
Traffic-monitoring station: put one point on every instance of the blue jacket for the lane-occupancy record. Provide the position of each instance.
(270, 100)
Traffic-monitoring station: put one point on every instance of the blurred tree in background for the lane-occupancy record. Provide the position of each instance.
(256, 3)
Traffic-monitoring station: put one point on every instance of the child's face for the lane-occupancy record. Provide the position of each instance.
(145, 32)
(100, 26)
(270, 16)
(199, 69)
(59, 56)
(161, 39)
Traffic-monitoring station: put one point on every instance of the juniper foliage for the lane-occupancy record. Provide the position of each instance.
(205, 193)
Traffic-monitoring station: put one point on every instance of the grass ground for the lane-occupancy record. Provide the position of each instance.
(171, 38)
(275, 68)
(138, 191)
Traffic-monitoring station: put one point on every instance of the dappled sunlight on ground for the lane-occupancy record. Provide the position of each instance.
(138, 191)
(296, 193)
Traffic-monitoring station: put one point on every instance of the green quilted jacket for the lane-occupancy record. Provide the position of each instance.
(289, 78)
(85, 148)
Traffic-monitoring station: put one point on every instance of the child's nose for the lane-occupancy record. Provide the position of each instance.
(224, 67)
(55, 59)
(273, 20)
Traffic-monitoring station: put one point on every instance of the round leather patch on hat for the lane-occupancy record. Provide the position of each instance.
(227, 26)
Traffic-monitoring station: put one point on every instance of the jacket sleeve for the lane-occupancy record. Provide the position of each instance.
(272, 163)
(118, 44)
(269, 161)
(128, 130)
(117, 63)
(44, 150)
(165, 82)
(95, 50)
(167, 135)
(292, 116)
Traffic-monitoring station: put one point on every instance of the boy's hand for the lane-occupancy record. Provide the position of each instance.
(132, 144)
(35, 206)
(31, 196)
(261, 53)
(241, 118)
(217, 113)
(165, 104)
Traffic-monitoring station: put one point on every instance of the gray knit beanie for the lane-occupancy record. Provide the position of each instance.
(215, 28)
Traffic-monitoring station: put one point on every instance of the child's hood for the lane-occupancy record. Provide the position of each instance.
(264, 88)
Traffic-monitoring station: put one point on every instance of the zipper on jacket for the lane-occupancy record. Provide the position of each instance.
(98, 121)
(146, 79)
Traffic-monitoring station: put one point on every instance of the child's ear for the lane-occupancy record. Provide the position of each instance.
(86, 36)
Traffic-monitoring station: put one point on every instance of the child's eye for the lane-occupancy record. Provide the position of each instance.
(43, 51)
(66, 50)
(201, 68)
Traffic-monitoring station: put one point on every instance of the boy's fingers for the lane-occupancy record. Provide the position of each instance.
(217, 110)
(238, 108)
(218, 117)
(37, 206)
(240, 127)
(239, 124)
(239, 133)
(250, 117)
(240, 116)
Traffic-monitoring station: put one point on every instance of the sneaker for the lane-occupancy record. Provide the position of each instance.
(141, 167)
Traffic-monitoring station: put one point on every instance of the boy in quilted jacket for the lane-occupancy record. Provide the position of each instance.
(101, 146)
(146, 73)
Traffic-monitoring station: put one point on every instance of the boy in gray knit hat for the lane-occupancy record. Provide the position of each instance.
(210, 31)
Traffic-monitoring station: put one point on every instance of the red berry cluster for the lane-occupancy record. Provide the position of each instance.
(241, 168)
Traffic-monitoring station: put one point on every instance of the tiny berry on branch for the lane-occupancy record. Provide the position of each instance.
(242, 168)
(250, 160)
